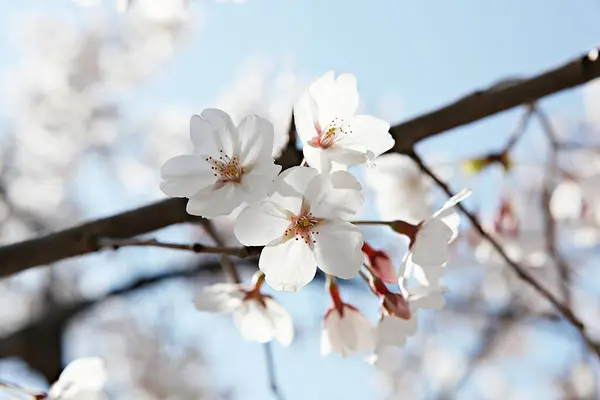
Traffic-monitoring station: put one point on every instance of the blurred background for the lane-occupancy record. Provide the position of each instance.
(97, 94)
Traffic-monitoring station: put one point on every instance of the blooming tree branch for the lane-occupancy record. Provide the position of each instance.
(82, 239)
(518, 269)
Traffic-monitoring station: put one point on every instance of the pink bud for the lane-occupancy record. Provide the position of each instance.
(380, 264)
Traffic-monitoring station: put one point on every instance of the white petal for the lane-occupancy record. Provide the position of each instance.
(334, 195)
(288, 266)
(337, 248)
(306, 116)
(282, 322)
(260, 224)
(82, 374)
(423, 297)
(345, 156)
(210, 203)
(253, 322)
(202, 134)
(257, 182)
(290, 186)
(317, 157)
(221, 297)
(226, 134)
(322, 87)
(454, 200)
(431, 245)
(393, 331)
(257, 138)
(294, 181)
(367, 133)
(186, 175)
(339, 101)
(347, 334)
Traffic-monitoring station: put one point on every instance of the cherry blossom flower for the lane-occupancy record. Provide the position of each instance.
(229, 166)
(329, 129)
(257, 317)
(345, 329)
(392, 330)
(430, 242)
(302, 225)
(82, 379)
(401, 189)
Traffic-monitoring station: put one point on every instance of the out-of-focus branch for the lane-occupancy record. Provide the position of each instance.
(489, 338)
(82, 239)
(564, 271)
(519, 130)
(521, 272)
(33, 342)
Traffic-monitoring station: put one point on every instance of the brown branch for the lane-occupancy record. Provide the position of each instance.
(239, 252)
(562, 266)
(518, 269)
(32, 342)
(498, 98)
(82, 239)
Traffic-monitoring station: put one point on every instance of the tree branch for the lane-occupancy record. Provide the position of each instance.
(499, 97)
(82, 239)
(518, 269)
(239, 252)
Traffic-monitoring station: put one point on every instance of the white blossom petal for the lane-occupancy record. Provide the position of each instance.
(306, 117)
(83, 375)
(337, 248)
(260, 224)
(288, 266)
(258, 181)
(347, 334)
(210, 203)
(294, 181)
(257, 137)
(368, 133)
(334, 195)
(221, 297)
(393, 331)
(282, 321)
(254, 321)
(185, 175)
(431, 245)
(339, 100)
(226, 134)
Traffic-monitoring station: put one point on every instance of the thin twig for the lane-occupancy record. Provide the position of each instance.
(562, 266)
(271, 372)
(564, 310)
(239, 252)
(520, 129)
(388, 223)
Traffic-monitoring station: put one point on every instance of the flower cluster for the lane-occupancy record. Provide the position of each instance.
(302, 219)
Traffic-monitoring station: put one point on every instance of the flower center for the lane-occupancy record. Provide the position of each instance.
(332, 133)
(302, 226)
(226, 169)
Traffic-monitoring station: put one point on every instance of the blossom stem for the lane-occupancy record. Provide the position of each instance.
(388, 223)
(240, 252)
(258, 279)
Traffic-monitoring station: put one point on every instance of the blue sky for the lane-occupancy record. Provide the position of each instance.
(423, 53)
